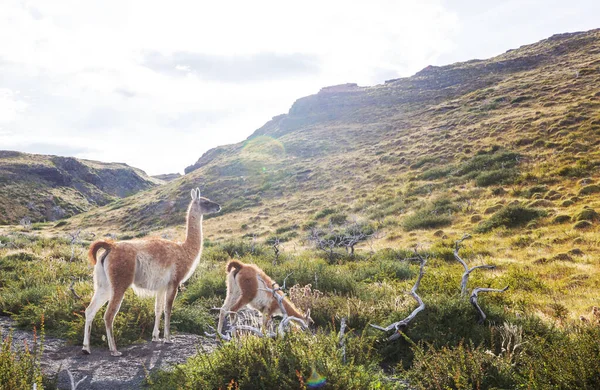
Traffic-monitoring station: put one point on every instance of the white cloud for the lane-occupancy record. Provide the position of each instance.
(221, 69)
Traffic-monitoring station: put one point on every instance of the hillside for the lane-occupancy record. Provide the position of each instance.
(47, 188)
(381, 152)
(338, 199)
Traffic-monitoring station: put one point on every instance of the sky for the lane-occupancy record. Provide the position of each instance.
(155, 84)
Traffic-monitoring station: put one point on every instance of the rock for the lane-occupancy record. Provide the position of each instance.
(104, 371)
(438, 233)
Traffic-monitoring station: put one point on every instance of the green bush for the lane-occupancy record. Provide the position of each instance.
(435, 173)
(424, 219)
(510, 216)
(591, 189)
(489, 162)
(495, 177)
(291, 362)
(586, 215)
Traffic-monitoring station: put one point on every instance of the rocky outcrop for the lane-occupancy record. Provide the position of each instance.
(51, 187)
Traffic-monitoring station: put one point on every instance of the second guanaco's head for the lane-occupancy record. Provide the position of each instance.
(201, 206)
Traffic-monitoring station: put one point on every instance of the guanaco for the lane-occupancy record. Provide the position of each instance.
(152, 267)
(244, 288)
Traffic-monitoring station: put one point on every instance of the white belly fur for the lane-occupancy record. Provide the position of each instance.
(150, 276)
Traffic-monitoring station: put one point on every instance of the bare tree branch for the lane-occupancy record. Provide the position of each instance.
(280, 298)
(72, 288)
(398, 326)
(465, 276)
(474, 302)
(342, 340)
(72, 380)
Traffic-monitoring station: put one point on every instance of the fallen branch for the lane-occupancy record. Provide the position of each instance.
(398, 326)
(279, 298)
(73, 384)
(474, 302)
(465, 276)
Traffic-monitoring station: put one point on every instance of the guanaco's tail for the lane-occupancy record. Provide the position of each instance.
(234, 264)
(96, 246)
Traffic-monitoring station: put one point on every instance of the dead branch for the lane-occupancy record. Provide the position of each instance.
(474, 302)
(280, 298)
(72, 288)
(465, 276)
(398, 326)
(342, 340)
(72, 380)
(74, 239)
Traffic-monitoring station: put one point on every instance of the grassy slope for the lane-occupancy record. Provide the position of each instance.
(497, 148)
(49, 187)
(385, 153)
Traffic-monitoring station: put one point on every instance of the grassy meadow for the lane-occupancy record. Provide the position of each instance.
(507, 154)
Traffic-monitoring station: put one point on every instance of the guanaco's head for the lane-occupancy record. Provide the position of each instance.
(201, 206)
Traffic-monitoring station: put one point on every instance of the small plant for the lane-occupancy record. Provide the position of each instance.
(510, 216)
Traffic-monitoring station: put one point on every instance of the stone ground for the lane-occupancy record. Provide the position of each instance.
(103, 371)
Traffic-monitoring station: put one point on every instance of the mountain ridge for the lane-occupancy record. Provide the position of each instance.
(46, 187)
(350, 147)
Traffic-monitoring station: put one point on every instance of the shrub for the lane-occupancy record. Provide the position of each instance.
(338, 219)
(510, 216)
(20, 366)
(561, 218)
(495, 177)
(325, 212)
(424, 219)
(591, 189)
(586, 215)
(582, 225)
(435, 173)
(488, 162)
(289, 362)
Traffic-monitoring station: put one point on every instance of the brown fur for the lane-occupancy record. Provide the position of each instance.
(153, 266)
(95, 247)
(246, 289)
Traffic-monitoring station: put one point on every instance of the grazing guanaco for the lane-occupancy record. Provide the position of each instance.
(152, 267)
(243, 288)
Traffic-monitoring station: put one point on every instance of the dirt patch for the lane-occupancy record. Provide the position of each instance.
(104, 371)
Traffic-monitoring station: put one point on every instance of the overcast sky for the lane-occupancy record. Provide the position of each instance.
(155, 84)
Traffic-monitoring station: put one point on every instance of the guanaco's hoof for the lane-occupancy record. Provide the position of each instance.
(85, 351)
(116, 353)
(155, 339)
(169, 341)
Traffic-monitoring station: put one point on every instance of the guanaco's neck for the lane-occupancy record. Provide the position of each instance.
(193, 237)
(291, 310)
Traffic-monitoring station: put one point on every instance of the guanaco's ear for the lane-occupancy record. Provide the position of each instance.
(198, 191)
(194, 194)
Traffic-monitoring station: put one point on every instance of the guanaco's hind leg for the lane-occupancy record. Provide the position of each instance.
(101, 296)
(170, 298)
(159, 307)
(229, 301)
(109, 317)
